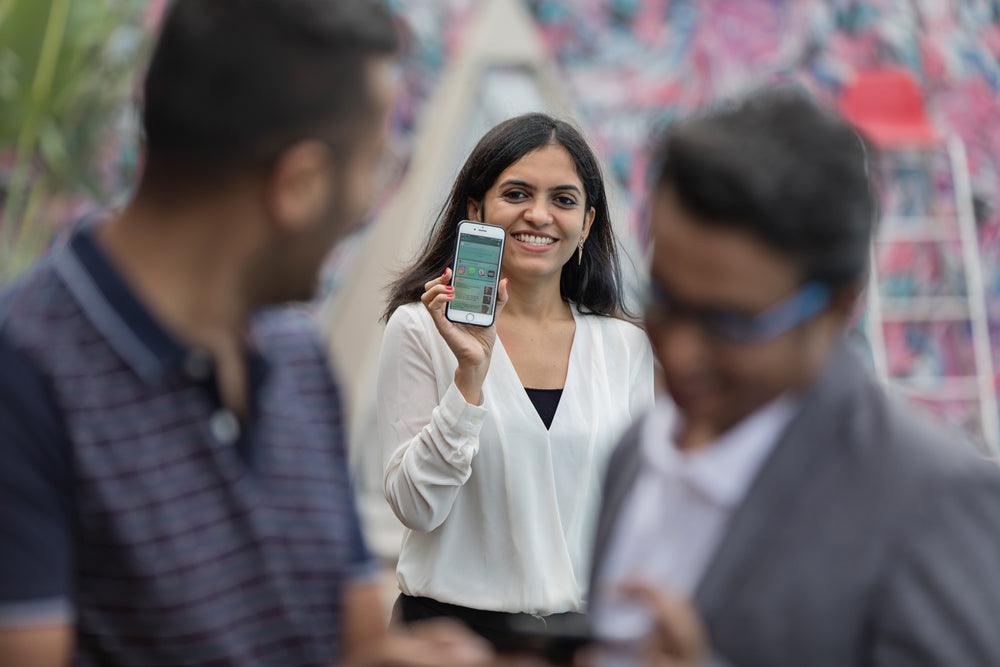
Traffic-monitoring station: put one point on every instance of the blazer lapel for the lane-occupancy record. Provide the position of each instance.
(623, 470)
(808, 446)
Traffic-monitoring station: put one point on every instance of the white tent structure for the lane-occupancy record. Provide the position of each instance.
(501, 70)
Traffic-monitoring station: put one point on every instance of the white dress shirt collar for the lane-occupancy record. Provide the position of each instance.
(723, 470)
(677, 511)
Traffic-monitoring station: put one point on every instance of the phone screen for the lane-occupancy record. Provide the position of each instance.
(476, 268)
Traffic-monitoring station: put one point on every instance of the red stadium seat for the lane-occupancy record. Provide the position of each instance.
(888, 106)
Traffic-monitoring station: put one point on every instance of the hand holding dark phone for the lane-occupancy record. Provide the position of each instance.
(556, 639)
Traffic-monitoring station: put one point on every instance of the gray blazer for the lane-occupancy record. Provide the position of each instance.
(868, 538)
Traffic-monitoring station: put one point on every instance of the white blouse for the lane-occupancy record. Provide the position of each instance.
(499, 510)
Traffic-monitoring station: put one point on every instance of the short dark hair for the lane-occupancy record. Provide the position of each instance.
(792, 172)
(594, 284)
(232, 83)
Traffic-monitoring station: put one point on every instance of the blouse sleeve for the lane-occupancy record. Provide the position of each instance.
(428, 440)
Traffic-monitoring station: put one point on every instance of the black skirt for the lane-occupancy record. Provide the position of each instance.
(494, 626)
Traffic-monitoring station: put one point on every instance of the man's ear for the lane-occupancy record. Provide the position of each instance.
(473, 210)
(300, 185)
(846, 298)
(845, 307)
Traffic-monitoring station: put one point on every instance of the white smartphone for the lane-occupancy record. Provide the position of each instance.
(475, 273)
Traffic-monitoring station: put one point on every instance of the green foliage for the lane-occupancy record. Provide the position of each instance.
(66, 70)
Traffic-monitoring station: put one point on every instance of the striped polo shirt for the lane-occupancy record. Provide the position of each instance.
(136, 507)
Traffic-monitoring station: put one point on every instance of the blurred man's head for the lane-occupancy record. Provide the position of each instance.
(287, 98)
(762, 215)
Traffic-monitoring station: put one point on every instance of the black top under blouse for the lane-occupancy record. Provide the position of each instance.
(545, 401)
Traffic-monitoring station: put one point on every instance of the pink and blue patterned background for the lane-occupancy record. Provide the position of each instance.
(631, 66)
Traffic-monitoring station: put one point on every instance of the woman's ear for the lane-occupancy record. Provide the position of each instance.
(587, 222)
(473, 210)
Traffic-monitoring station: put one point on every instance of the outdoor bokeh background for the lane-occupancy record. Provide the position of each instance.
(69, 140)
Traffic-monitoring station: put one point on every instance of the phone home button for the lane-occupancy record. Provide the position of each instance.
(469, 317)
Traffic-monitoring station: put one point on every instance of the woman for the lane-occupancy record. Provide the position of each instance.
(496, 438)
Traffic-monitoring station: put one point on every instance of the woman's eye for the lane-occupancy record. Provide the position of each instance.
(514, 195)
(565, 201)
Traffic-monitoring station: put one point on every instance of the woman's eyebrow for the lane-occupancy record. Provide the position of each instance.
(514, 181)
(529, 186)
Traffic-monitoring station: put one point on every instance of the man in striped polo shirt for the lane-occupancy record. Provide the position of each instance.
(173, 485)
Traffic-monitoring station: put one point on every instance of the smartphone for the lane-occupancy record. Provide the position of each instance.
(476, 273)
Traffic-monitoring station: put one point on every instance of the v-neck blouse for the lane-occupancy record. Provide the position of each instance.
(499, 509)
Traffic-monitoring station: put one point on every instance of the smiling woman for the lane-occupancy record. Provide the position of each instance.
(540, 202)
(595, 281)
(495, 439)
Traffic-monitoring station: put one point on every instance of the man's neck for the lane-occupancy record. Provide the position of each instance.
(698, 433)
(191, 274)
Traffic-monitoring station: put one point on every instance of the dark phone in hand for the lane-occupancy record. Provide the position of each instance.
(556, 639)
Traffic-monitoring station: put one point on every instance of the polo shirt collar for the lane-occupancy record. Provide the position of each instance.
(113, 308)
(723, 470)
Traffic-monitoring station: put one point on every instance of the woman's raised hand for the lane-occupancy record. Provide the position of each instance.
(471, 345)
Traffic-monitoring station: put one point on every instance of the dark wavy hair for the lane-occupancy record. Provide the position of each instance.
(595, 285)
(232, 83)
(787, 169)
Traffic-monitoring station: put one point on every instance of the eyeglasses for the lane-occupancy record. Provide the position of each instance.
(736, 327)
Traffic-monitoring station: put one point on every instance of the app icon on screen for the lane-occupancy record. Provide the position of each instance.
(490, 274)
(488, 290)
(482, 272)
(487, 300)
(486, 310)
(461, 269)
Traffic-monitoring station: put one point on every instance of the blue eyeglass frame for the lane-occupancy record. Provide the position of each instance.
(735, 327)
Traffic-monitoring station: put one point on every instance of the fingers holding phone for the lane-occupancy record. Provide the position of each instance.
(464, 303)
(678, 637)
(437, 294)
(434, 643)
(472, 345)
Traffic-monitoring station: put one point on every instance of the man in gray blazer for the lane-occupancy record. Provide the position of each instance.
(781, 509)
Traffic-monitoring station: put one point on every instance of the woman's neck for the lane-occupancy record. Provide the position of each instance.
(536, 300)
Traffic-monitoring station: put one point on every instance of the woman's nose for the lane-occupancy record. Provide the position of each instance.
(539, 213)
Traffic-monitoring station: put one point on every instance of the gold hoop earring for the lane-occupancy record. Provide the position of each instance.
(579, 253)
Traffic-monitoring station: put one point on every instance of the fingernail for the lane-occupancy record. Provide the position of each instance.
(449, 287)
